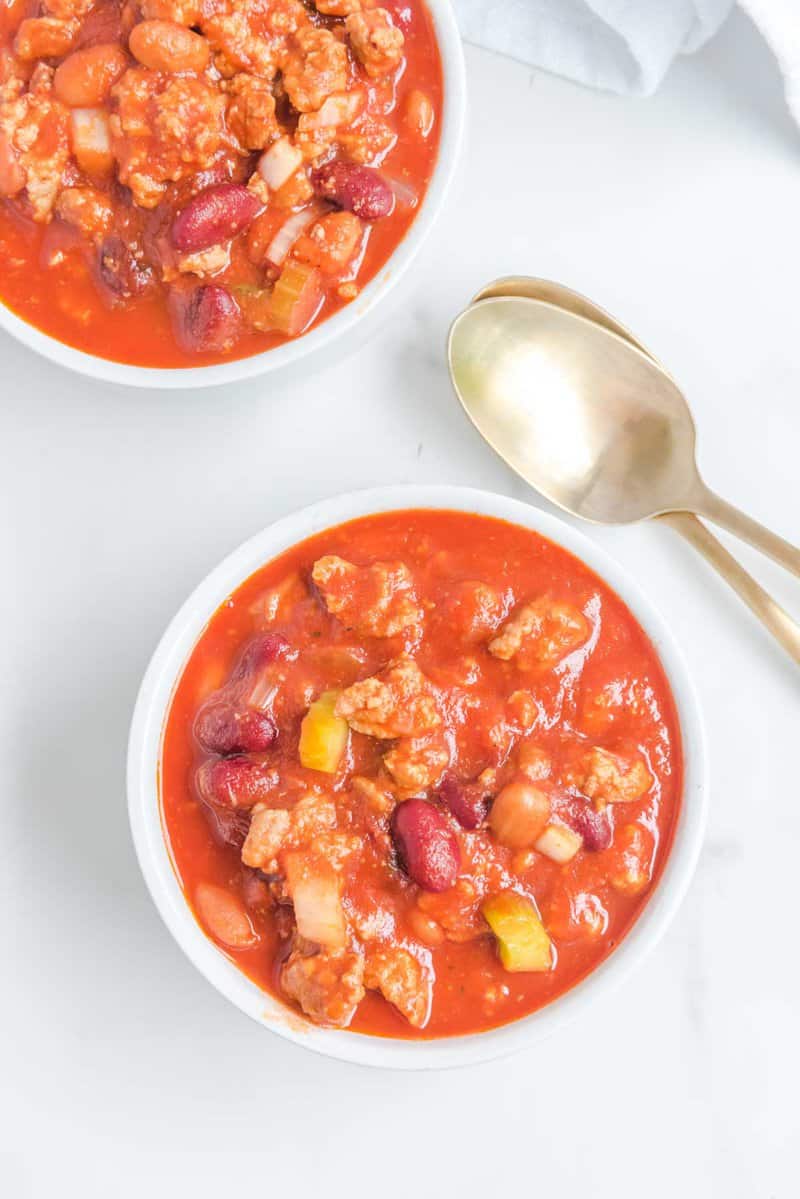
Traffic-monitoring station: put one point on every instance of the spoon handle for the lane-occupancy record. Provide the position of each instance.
(784, 629)
(713, 507)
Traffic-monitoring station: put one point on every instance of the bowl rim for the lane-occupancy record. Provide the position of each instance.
(152, 847)
(340, 323)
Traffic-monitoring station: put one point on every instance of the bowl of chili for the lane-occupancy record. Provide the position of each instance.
(197, 193)
(416, 775)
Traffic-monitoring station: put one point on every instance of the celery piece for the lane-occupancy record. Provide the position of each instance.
(256, 304)
(296, 298)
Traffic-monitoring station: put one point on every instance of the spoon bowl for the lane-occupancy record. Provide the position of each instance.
(533, 288)
(580, 412)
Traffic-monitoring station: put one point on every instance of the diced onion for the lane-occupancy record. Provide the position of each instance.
(339, 109)
(290, 230)
(90, 127)
(314, 890)
(279, 163)
(558, 843)
(91, 139)
(262, 693)
(403, 191)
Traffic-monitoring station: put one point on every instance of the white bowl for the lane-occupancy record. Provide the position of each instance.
(347, 327)
(154, 857)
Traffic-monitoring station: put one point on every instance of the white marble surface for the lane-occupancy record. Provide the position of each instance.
(681, 215)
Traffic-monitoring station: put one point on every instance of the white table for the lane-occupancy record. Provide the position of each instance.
(679, 214)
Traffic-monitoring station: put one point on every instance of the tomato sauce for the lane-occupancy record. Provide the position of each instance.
(58, 272)
(604, 693)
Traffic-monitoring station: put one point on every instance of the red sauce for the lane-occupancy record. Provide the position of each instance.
(51, 274)
(608, 693)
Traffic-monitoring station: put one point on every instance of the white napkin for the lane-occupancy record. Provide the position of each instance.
(779, 22)
(624, 45)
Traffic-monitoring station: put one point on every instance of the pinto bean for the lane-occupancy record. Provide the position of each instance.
(631, 858)
(213, 216)
(13, 13)
(519, 815)
(167, 46)
(184, 12)
(356, 188)
(224, 916)
(84, 79)
(425, 928)
(426, 845)
(418, 113)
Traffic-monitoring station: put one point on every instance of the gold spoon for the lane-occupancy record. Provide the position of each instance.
(579, 408)
(684, 523)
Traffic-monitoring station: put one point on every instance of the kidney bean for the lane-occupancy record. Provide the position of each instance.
(120, 270)
(84, 79)
(228, 826)
(255, 891)
(595, 827)
(260, 652)
(214, 216)
(468, 802)
(233, 782)
(167, 46)
(206, 319)
(358, 189)
(222, 729)
(426, 845)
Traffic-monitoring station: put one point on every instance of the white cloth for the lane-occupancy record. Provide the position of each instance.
(779, 22)
(624, 45)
